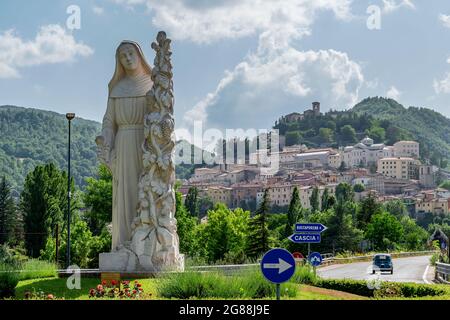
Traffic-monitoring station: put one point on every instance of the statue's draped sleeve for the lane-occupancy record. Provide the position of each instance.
(109, 127)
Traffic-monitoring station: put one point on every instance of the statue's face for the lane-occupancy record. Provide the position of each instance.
(129, 57)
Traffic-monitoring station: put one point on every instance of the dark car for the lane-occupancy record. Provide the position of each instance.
(382, 262)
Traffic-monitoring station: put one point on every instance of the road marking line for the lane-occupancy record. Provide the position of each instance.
(424, 277)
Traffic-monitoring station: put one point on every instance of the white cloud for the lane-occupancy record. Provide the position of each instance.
(204, 21)
(445, 19)
(393, 93)
(443, 85)
(52, 44)
(259, 90)
(98, 10)
(393, 5)
(276, 78)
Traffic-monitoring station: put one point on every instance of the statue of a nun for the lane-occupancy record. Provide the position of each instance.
(120, 143)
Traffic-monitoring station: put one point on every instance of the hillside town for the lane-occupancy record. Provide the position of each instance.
(389, 172)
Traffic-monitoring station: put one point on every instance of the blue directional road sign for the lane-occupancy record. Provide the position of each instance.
(305, 237)
(315, 259)
(310, 227)
(278, 265)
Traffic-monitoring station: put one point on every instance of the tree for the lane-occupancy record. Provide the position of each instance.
(326, 135)
(341, 234)
(348, 134)
(84, 246)
(397, 208)
(314, 200)
(185, 225)
(331, 125)
(344, 192)
(294, 212)
(204, 204)
(44, 205)
(9, 219)
(98, 200)
(378, 134)
(385, 231)
(415, 237)
(325, 203)
(369, 206)
(358, 188)
(225, 233)
(342, 167)
(191, 202)
(293, 137)
(258, 240)
(445, 185)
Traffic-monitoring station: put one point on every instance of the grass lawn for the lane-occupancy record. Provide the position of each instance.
(58, 287)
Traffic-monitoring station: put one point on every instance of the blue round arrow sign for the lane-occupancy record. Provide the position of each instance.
(315, 259)
(278, 265)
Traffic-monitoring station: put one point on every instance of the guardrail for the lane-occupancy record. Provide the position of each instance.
(334, 260)
(328, 260)
(442, 272)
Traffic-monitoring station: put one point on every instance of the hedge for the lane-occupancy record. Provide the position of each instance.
(384, 289)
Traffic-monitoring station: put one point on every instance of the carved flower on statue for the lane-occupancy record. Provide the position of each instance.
(164, 161)
(167, 128)
(154, 117)
(158, 186)
(157, 131)
(163, 81)
(148, 159)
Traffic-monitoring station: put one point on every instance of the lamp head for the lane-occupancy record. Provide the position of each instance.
(70, 116)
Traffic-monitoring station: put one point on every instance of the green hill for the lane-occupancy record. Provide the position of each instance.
(384, 120)
(426, 126)
(29, 137)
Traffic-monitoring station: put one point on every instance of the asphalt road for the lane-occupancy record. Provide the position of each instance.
(411, 269)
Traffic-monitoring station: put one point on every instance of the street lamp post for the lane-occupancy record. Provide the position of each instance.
(69, 117)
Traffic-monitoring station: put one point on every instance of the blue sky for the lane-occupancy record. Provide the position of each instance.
(237, 64)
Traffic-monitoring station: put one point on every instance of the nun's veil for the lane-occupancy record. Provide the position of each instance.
(120, 73)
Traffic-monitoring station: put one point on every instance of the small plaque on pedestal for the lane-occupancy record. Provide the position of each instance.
(109, 277)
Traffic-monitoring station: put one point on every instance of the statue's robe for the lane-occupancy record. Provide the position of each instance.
(123, 129)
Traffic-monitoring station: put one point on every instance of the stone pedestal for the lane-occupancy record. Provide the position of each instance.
(113, 261)
(127, 261)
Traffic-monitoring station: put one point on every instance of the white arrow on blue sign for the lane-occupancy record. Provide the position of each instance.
(305, 237)
(278, 265)
(310, 227)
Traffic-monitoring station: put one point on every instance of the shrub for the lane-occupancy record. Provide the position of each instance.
(34, 269)
(434, 258)
(251, 285)
(411, 290)
(255, 286)
(304, 275)
(386, 289)
(358, 287)
(9, 278)
(8, 256)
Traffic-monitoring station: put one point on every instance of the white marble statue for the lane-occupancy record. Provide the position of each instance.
(123, 133)
(137, 144)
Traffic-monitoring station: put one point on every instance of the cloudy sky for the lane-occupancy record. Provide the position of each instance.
(237, 63)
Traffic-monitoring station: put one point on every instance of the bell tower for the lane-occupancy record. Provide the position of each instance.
(316, 108)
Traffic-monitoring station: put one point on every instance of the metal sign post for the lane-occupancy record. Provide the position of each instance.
(278, 266)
